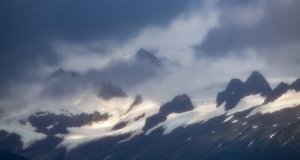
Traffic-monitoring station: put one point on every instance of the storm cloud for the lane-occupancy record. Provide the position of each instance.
(30, 28)
(255, 25)
(201, 42)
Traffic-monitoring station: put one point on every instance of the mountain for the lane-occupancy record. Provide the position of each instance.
(296, 85)
(145, 56)
(11, 156)
(236, 90)
(249, 120)
(62, 73)
(277, 92)
(137, 100)
(179, 104)
(109, 90)
(52, 124)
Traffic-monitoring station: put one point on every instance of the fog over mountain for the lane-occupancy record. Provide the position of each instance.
(114, 65)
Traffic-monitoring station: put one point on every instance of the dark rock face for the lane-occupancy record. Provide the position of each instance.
(236, 90)
(62, 73)
(60, 122)
(179, 104)
(47, 148)
(139, 117)
(119, 126)
(109, 91)
(11, 156)
(281, 89)
(296, 85)
(255, 84)
(145, 56)
(10, 142)
(153, 121)
(138, 100)
(232, 94)
(229, 141)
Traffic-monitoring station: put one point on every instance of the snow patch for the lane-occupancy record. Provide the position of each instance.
(51, 126)
(201, 113)
(272, 135)
(250, 144)
(288, 100)
(27, 133)
(79, 135)
(247, 103)
(234, 121)
(227, 119)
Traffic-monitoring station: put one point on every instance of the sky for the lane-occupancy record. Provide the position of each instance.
(203, 44)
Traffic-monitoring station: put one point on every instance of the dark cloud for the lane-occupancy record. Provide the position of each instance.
(82, 20)
(28, 28)
(126, 73)
(18, 63)
(279, 25)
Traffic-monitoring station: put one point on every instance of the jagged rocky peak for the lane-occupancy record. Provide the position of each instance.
(10, 141)
(146, 56)
(179, 104)
(109, 90)
(119, 125)
(62, 73)
(50, 123)
(296, 85)
(257, 83)
(236, 90)
(138, 100)
(234, 87)
(277, 92)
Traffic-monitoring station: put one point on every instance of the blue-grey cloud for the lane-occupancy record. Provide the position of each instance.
(28, 28)
(252, 24)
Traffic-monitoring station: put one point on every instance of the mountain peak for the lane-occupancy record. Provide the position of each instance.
(296, 85)
(62, 73)
(109, 91)
(144, 55)
(236, 90)
(255, 76)
(257, 83)
(179, 104)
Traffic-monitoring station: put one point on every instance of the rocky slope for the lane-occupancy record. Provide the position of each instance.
(249, 120)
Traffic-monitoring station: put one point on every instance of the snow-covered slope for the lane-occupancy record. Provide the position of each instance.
(134, 120)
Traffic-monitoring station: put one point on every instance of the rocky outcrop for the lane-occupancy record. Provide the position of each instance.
(145, 56)
(119, 126)
(62, 73)
(109, 90)
(11, 156)
(236, 90)
(138, 100)
(10, 141)
(232, 93)
(179, 104)
(256, 84)
(277, 92)
(296, 85)
(51, 124)
(139, 117)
